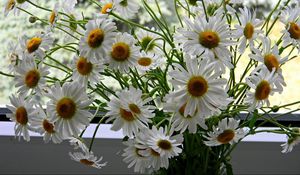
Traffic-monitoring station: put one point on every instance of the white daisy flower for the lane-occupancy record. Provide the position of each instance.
(271, 59)
(123, 54)
(226, 132)
(85, 71)
(67, 109)
(129, 111)
(249, 29)
(78, 143)
(43, 126)
(54, 15)
(208, 38)
(291, 34)
(14, 55)
(180, 122)
(134, 158)
(262, 83)
(30, 76)
(107, 6)
(148, 61)
(291, 142)
(14, 5)
(149, 41)
(37, 45)
(98, 38)
(199, 87)
(160, 146)
(126, 8)
(22, 114)
(87, 158)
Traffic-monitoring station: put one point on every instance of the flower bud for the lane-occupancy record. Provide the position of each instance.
(32, 19)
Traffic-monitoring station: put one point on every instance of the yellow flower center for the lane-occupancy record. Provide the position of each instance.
(154, 153)
(83, 66)
(33, 44)
(164, 144)
(197, 86)
(263, 90)
(209, 39)
(87, 162)
(134, 108)
(52, 17)
(271, 61)
(21, 115)
(248, 31)
(106, 7)
(226, 136)
(95, 38)
(66, 108)
(120, 52)
(126, 115)
(10, 5)
(32, 78)
(48, 127)
(144, 61)
(294, 31)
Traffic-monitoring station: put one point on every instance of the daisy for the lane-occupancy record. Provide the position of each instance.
(160, 146)
(22, 114)
(107, 6)
(291, 142)
(180, 122)
(78, 143)
(134, 158)
(249, 29)
(123, 54)
(226, 132)
(149, 41)
(291, 34)
(67, 109)
(14, 5)
(14, 55)
(37, 45)
(126, 8)
(98, 38)
(30, 76)
(129, 111)
(199, 87)
(87, 158)
(270, 58)
(43, 126)
(262, 83)
(85, 71)
(208, 38)
(148, 61)
(54, 15)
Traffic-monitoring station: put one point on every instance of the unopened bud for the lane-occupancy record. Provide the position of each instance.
(32, 19)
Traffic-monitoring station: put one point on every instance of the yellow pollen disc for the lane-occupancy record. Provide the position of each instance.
(144, 61)
(248, 31)
(33, 44)
(263, 90)
(106, 7)
(21, 115)
(164, 144)
(226, 136)
(87, 162)
(48, 127)
(294, 31)
(52, 17)
(126, 115)
(154, 153)
(209, 39)
(197, 86)
(95, 38)
(10, 5)
(134, 108)
(66, 108)
(271, 61)
(32, 78)
(120, 51)
(83, 66)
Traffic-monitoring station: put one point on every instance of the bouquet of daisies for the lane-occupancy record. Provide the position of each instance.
(174, 88)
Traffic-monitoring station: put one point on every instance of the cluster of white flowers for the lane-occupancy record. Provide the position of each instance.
(192, 68)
